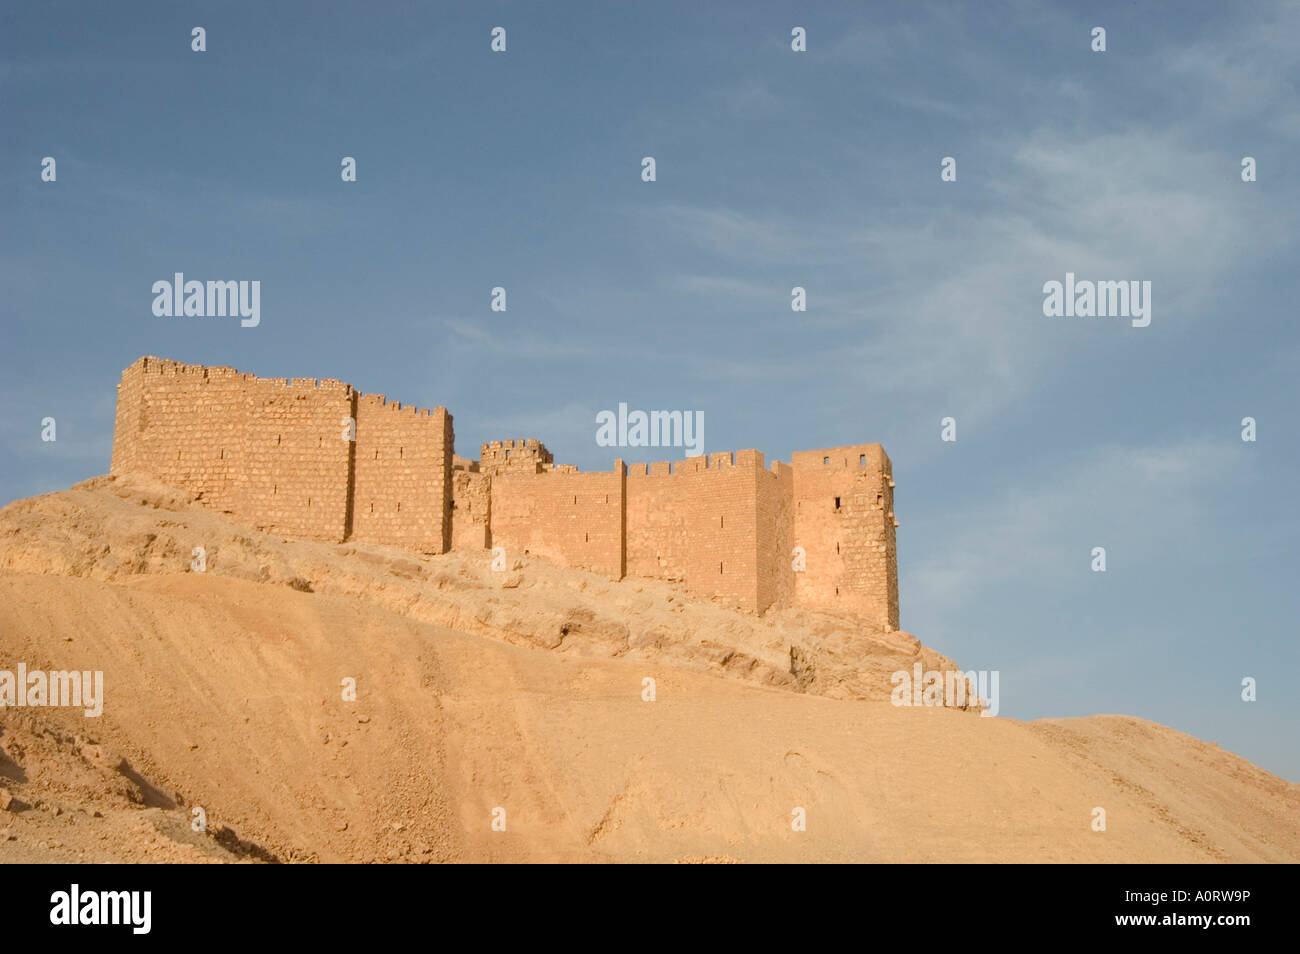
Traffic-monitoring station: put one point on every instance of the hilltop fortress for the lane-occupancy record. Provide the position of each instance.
(317, 459)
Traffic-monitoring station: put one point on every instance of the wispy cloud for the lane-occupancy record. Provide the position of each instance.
(1248, 73)
(471, 336)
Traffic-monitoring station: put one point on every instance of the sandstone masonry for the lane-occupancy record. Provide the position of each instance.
(317, 459)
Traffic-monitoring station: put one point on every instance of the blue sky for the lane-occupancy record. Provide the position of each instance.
(775, 169)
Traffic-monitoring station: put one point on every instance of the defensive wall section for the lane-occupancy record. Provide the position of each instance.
(300, 457)
(317, 459)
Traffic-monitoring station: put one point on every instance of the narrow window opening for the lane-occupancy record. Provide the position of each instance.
(722, 522)
(719, 567)
(837, 548)
(837, 503)
(826, 460)
(862, 460)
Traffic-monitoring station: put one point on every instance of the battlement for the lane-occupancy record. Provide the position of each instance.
(317, 459)
(515, 456)
(714, 462)
(163, 367)
(531, 445)
(378, 401)
(853, 456)
(725, 524)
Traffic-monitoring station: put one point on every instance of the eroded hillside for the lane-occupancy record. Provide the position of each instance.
(520, 696)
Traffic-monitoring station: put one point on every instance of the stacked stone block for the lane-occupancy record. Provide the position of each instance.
(279, 455)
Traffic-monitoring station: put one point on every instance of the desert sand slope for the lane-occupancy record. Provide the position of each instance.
(224, 693)
(115, 529)
(521, 691)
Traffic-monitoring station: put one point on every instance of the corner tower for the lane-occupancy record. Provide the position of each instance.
(844, 520)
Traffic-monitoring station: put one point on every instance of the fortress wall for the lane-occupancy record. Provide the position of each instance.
(185, 425)
(880, 566)
(471, 510)
(575, 519)
(657, 526)
(193, 426)
(775, 518)
(128, 422)
(294, 475)
(274, 453)
(698, 524)
(723, 505)
(402, 490)
(522, 456)
(850, 547)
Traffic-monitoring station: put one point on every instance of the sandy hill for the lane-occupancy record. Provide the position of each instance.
(522, 691)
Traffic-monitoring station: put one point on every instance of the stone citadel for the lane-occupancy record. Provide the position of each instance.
(317, 459)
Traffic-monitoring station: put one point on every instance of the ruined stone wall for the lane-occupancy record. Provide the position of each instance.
(276, 453)
(696, 521)
(294, 474)
(266, 450)
(471, 510)
(658, 527)
(844, 520)
(403, 486)
(186, 425)
(574, 519)
(525, 456)
(775, 519)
